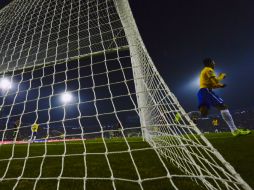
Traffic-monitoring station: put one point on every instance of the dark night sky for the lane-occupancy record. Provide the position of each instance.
(4, 3)
(179, 34)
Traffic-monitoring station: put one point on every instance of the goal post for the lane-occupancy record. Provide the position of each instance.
(137, 60)
(80, 72)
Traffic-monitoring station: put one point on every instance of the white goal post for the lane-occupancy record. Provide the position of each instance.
(80, 70)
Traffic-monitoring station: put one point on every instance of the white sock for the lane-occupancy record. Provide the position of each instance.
(228, 119)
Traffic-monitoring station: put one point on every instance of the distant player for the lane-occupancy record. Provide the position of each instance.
(194, 116)
(34, 130)
(207, 97)
(215, 122)
(178, 117)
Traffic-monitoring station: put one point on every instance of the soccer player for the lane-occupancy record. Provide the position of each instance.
(34, 130)
(194, 116)
(178, 117)
(207, 97)
(215, 122)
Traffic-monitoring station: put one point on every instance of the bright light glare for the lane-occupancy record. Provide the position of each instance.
(195, 82)
(66, 97)
(191, 84)
(5, 84)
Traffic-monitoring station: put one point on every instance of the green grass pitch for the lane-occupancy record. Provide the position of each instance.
(238, 151)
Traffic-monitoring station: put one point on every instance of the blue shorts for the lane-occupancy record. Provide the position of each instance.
(208, 98)
(34, 133)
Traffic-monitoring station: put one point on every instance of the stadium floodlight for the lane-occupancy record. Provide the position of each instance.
(66, 97)
(5, 84)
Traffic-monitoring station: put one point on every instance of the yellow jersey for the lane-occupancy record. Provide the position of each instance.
(215, 122)
(35, 127)
(205, 77)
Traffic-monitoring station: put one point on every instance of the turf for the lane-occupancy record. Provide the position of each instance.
(236, 150)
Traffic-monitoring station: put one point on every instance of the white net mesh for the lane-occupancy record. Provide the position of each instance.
(79, 69)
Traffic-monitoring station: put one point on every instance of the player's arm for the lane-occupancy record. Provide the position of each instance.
(221, 76)
(216, 83)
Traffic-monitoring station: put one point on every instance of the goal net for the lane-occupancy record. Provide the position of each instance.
(83, 106)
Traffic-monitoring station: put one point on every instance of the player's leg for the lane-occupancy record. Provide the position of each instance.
(218, 102)
(203, 110)
(227, 117)
(229, 120)
(34, 136)
(203, 102)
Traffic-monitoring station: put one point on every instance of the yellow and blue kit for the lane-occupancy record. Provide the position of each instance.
(206, 97)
